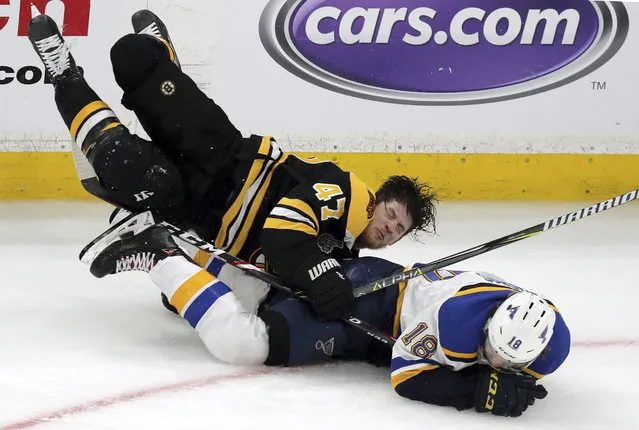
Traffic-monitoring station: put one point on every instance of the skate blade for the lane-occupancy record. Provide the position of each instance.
(130, 225)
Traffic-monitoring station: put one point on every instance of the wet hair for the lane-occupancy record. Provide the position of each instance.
(418, 197)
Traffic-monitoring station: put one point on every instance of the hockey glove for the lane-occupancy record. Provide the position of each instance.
(328, 291)
(504, 394)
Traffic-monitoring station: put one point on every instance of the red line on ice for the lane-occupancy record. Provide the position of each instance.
(604, 343)
(126, 397)
(213, 380)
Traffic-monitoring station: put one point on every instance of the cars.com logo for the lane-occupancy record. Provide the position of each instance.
(442, 52)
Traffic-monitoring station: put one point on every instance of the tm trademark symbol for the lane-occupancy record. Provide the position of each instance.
(598, 85)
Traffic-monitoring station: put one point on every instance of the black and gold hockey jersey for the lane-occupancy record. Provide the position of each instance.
(289, 210)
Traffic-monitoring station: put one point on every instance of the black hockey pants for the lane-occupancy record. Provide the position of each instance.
(190, 135)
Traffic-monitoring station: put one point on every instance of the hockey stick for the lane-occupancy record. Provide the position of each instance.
(252, 270)
(92, 185)
(443, 262)
(497, 243)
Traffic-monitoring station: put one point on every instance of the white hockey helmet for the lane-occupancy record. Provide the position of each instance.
(518, 331)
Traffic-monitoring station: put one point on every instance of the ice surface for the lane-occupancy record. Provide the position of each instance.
(82, 353)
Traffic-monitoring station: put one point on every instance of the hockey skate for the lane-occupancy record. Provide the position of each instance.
(138, 252)
(146, 22)
(52, 49)
(130, 225)
(118, 215)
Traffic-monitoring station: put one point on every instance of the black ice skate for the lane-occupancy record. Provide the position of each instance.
(52, 49)
(118, 215)
(146, 22)
(140, 252)
(130, 225)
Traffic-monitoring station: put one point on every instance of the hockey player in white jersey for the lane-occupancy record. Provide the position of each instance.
(472, 338)
(464, 339)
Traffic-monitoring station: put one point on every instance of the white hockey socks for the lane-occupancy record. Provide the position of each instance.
(230, 332)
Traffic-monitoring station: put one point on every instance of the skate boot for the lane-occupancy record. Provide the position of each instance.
(118, 215)
(131, 224)
(52, 49)
(140, 252)
(146, 22)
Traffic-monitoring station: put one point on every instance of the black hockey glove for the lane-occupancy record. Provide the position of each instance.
(504, 394)
(329, 292)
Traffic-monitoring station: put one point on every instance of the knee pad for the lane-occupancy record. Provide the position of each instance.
(137, 174)
(134, 57)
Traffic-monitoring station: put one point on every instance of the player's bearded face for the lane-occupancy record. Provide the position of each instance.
(391, 223)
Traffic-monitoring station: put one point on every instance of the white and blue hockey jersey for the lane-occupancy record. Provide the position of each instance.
(441, 320)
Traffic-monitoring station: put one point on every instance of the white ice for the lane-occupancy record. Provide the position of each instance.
(83, 353)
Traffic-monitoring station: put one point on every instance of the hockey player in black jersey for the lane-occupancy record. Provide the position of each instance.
(296, 217)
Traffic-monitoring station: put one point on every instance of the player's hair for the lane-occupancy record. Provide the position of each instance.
(418, 197)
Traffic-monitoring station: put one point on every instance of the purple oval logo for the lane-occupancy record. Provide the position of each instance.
(440, 52)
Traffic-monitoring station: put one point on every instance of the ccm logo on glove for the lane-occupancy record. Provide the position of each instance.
(508, 395)
(321, 268)
(492, 390)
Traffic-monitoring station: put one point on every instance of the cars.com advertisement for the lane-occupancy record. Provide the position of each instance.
(493, 98)
(439, 52)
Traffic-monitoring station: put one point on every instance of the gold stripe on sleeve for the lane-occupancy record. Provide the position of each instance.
(300, 205)
(398, 379)
(282, 224)
(467, 355)
(481, 290)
